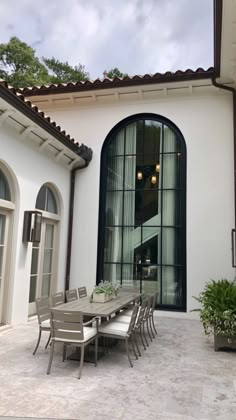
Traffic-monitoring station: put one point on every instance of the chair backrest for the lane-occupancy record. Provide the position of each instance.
(42, 307)
(141, 313)
(82, 292)
(71, 295)
(67, 325)
(133, 319)
(58, 299)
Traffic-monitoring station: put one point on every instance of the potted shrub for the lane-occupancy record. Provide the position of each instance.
(218, 312)
(104, 292)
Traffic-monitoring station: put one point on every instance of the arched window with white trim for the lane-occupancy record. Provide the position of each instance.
(43, 275)
(7, 207)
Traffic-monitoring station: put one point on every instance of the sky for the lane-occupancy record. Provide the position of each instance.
(137, 36)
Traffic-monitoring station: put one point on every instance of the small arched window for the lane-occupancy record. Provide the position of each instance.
(46, 200)
(5, 193)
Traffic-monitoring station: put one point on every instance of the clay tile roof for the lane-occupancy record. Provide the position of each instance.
(18, 101)
(107, 83)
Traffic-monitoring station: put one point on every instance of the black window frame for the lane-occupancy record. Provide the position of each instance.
(183, 191)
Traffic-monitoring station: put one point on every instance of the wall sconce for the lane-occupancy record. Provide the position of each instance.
(32, 226)
(158, 167)
(139, 175)
(153, 179)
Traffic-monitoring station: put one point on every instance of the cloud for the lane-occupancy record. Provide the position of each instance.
(137, 36)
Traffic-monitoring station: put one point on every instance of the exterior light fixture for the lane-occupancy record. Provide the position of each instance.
(32, 226)
(158, 167)
(139, 175)
(153, 179)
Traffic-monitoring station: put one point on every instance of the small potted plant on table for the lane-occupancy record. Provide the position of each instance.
(218, 312)
(104, 292)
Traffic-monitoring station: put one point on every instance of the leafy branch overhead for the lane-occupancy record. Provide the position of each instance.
(20, 67)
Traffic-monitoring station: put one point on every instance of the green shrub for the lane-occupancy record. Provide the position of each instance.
(218, 307)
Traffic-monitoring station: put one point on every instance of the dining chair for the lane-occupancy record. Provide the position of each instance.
(82, 291)
(125, 317)
(121, 331)
(43, 313)
(67, 327)
(58, 299)
(71, 295)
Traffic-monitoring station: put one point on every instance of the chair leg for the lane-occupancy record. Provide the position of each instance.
(96, 351)
(154, 325)
(148, 330)
(49, 338)
(136, 342)
(81, 361)
(127, 351)
(144, 335)
(51, 357)
(39, 338)
(150, 325)
(132, 342)
(64, 352)
(141, 335)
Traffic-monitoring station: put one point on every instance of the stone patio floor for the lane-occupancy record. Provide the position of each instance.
(179, 377)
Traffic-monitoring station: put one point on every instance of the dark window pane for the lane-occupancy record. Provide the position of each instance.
(41, 199)
(4, 188)
(113, 244)
(32, 294)
(51, 205)
(112, 272)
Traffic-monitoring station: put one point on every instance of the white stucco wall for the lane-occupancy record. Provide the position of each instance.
(206, 124)
(31, 169)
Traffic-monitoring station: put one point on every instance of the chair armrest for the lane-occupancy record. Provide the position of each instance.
(90, 321)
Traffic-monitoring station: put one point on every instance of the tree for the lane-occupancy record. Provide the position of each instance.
(19, 65)
(115, 73)
(64, 72)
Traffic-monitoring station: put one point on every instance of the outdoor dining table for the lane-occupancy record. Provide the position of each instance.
(101, 310)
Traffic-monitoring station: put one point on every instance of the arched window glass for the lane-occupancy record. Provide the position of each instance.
(5, 193)
(46, 200)
(142, 209)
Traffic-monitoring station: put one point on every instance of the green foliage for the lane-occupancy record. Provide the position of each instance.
(19, 66)
(218, 307)
(115, 73)
(105, 287)
(63, 72)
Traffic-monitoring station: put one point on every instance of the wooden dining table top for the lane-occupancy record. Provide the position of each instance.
(100, 309)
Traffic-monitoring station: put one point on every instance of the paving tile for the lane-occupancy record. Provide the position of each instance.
(178, 377)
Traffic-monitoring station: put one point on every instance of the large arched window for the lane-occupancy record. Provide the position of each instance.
(142, 229)
(44, 254)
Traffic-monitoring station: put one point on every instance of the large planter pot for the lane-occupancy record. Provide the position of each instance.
(222, 342)
(101, 297)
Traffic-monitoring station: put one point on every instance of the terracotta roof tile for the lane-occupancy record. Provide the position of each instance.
(107, 83)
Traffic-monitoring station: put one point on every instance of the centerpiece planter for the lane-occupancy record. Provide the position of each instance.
(218, 312)
(104, 292)
(101, 297)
